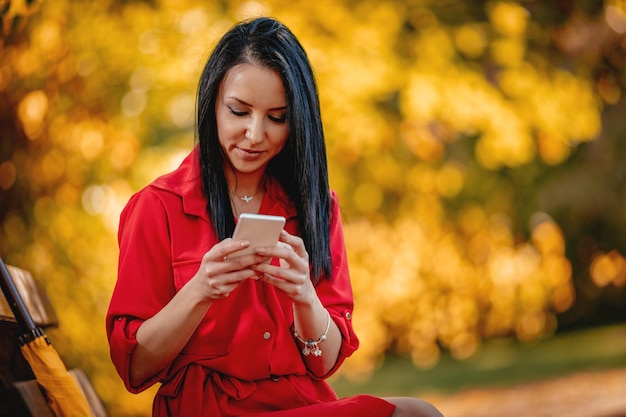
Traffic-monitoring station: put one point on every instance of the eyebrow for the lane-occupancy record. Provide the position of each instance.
(250, 105)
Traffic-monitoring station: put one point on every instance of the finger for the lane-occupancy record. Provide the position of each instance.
(279, 274)
(222, 292)
(219, 295)
(245, 261)
(295, 242)
(222, 286)
(222, 271)
(294, 291)
(235, 278)
(288, 263)
(273, 280)
(225, 248)
(283, 251)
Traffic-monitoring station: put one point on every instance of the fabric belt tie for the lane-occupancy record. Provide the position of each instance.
(196, 376)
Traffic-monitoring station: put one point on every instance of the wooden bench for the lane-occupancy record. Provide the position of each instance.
(20, 394)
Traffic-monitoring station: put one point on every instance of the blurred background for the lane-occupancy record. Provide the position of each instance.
(478, 150)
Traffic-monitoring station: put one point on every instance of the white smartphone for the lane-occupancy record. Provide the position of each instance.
(260, 230)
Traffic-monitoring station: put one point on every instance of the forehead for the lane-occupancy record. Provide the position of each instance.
(255, 85)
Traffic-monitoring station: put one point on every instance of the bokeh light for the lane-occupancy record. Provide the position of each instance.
(440, 133)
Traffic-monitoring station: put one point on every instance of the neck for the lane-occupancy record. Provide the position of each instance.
(245, 184)
(247, 191)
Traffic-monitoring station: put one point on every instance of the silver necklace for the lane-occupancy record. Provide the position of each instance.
(247, 198)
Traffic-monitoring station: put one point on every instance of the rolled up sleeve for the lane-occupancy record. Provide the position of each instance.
(335, 292)
(145, 279)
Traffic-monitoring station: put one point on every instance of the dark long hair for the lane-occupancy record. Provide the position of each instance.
(301, 167)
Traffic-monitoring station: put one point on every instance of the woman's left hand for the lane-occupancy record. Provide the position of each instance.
(293, 274)
(310, 317)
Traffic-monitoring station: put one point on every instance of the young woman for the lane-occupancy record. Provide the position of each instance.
(239, 336)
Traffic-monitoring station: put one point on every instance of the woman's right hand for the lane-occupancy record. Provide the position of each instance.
(220, 274)
(164, 335)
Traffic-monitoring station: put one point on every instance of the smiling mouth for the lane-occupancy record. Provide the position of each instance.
(247, 153)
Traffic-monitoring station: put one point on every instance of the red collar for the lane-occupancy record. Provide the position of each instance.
(186, 182)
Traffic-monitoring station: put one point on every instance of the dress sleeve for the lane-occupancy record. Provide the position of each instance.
(145, 279)
(335, 291)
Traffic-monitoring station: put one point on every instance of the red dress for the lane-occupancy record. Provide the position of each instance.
(242, 360)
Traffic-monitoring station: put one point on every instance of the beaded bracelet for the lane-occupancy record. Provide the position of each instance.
(311, 346)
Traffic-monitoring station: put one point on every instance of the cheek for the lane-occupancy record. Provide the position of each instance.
(281, 138)
(278, 146)
(226, 131)
(227, 125)
(222, 138)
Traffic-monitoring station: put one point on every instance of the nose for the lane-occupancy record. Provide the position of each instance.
(255, 131)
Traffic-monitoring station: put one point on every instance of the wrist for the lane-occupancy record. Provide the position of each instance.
(312, 345)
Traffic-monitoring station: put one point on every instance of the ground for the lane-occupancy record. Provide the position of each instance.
(586, 394)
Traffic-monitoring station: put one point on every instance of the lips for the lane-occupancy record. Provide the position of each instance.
(248, 155)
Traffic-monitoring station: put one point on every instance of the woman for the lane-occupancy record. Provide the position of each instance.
(239, 336)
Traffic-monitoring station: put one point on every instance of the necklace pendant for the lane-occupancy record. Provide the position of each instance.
(246, 198)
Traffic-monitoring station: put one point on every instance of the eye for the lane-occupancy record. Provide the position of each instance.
(278, 119)
(237, 112)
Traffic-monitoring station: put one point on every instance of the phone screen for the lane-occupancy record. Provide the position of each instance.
(260, 230)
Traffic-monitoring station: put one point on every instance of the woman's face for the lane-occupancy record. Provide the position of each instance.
(251, 113)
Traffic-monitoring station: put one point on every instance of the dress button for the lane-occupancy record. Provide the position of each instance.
(348, 315)
(266, 335)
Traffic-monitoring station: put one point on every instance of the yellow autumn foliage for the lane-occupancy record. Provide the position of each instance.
(105, 96)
